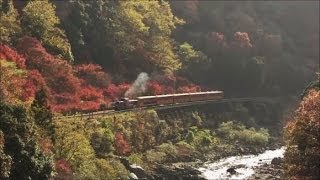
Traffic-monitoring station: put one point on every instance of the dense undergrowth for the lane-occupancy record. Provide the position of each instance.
(147, 141)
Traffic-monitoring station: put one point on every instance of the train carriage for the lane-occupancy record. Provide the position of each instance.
(158, 100)
(165, 99)
(182, 98)
(147, 101)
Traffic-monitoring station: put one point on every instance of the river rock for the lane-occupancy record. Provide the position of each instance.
(276, 161)
(231, 170)
(133, 176)
(177, 173)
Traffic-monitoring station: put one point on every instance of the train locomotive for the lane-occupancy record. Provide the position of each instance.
(167, 99)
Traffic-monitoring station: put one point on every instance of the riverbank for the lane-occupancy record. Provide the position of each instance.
(238, 167)
(265, 165)
(268, 171)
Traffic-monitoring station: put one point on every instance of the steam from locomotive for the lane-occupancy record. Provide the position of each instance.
(139, 86)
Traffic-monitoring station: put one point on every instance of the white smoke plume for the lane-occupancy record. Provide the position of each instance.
(139, 85)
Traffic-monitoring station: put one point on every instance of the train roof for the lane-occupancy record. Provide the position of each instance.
(179, 94)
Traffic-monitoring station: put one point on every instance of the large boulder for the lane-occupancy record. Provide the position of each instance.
(232, 170)
(276, 161)
(177, 173)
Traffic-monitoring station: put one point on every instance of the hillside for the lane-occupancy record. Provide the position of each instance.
(79, 56)
(100, 47)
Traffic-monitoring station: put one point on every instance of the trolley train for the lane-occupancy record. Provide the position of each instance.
(168, 99)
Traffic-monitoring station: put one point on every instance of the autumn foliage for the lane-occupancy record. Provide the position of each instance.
(122, 146)
(114, 91)
(63, 169)
(302, 155)
(84, 87)
(9, 54)
(93, 75)
(16, 83)
(170, 84)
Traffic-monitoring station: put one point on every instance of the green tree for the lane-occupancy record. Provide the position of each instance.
(126, 30)
(110, 169)
(42, 113)
(195, 64)
(28, 161)
(9, 22)
(44, 26)
(102, 142)
(146, 25)
(73, 145)
(5, 160)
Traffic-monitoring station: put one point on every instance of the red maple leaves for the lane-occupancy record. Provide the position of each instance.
(84, 87)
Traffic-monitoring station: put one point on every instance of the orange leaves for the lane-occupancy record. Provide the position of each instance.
(171, 84)
(303, 139)
(116, 91)
(154, 88)
(188, 89)
(93, 75)
(241, 39)
(90, 98)
(217, 37)
(310, 106)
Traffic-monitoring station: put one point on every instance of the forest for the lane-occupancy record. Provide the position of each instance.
(65, 57)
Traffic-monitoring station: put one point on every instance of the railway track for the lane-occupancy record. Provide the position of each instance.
(110, 112)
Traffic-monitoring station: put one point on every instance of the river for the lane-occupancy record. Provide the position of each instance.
(244, 165)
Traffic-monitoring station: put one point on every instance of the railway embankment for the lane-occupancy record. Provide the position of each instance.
(167, 143)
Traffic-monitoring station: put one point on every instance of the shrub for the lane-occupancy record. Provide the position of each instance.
(251, 136)
(198, 137)
(110, 169)
(190, 137)
(238, 132)
(135, 158)
(184, 149)
(102, 143)
(154, 156)
(167, 148)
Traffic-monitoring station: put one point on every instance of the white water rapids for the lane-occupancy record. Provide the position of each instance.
(244, 165)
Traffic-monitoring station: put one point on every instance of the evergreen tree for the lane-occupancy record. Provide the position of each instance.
(5, 160)
(9, 22)
(28, 161)
(42, 113)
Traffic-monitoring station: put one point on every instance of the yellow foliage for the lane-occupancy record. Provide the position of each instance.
(11, 81)
(147, 25)
(44, 25)
(9, 23)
